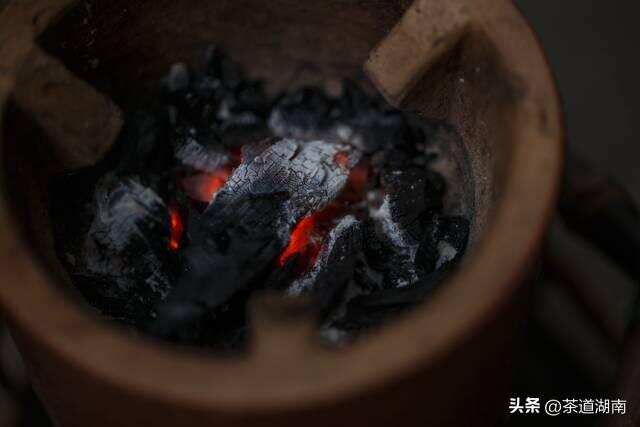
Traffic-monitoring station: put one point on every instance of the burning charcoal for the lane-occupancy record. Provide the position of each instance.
(203, 154)
(331, 198)
(126, 265)
(334, 266)
(304, 114)
(231, 246)
(312, 173)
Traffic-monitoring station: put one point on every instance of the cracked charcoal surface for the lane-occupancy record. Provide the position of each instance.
(203, 194)
(124, 269)
(306, 171)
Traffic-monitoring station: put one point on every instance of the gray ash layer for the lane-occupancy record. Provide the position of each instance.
(142, 250)
(305, 170)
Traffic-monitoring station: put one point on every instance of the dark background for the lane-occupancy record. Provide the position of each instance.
(593, 48)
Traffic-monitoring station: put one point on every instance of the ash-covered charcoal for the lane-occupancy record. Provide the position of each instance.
(231, 246)
(312, 173)
(127, 267)
(334, 266)
(372, 125)
(218, 100)
(412, 195)
(445, 241)
(371, 310)
(202, 153)
(303, 114)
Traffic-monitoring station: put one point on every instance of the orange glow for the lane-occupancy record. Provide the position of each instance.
(204, 187)
(306, 238)
(342, 159)
(299, 243)
(176, 229)
(355, 190)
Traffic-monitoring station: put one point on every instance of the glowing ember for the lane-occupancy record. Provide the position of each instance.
(354, 191)
(342, 159)
(300, 240)
(306, 238)
(204, 187)
(177, 229)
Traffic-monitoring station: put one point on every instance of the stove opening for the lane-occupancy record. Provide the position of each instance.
(217, 191)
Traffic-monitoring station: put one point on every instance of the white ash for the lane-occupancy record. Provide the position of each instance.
(394, 234)
(124, 213)
(307, 171)
(446, 253)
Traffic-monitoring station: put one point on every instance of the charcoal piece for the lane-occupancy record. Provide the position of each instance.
(281, 277)
(203, 153)
(334, 266)
(312, 173)
(303, 114)
(126, 268)
(72, 211)
(396, 249)
(230, 246)
(372, 125)
(368, 311)
(219, 100)
(453, 235)
(388, 263)
(244, 107)
(412, 193)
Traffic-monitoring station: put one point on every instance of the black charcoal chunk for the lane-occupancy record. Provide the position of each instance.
(303, 114)
(127, 266)
(389, 262)
(334, 266)
(412, 194)
(450, 239)
(372, 125)
(219, 100)
(312, 173)
(230, 246)
(369, 311)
